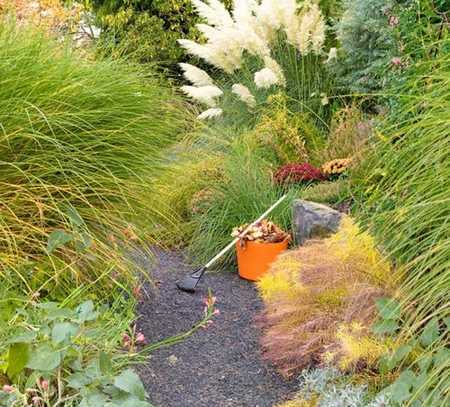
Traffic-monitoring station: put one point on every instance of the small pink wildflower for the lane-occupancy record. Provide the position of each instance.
(216, 312)
(126, 340)
(210, 301)
(393, 21)
(8, 389)
(44, 384)
(396, 61)
(207, 323)
(140, 338)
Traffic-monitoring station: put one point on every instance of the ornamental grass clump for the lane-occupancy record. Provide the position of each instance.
(313, 293)
(259, 47)
(80, 141)
(402, 191)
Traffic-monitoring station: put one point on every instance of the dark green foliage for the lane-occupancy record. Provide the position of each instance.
(368, 44)
(147, 30)
(379, 39)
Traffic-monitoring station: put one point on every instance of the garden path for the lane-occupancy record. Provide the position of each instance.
(219, 366)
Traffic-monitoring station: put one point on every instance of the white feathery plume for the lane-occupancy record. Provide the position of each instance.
(273, 15)
(217, 52)
(252, 42)
(203, 94)
(214, 13)
(332, 55)
(198, 50)
(243, 12)
(311, 35)
(318, 30)
(210, 114)
(304, 33)
(208, 31)
(244, 94)
(196, 76)
(265, 78)
(221, 12)
(291, 20)
(269, 19)
(276, 69)
(246, 26)
(226, 49)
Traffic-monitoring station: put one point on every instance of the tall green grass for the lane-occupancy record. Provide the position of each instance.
(80, 141)
(246, 191)
(403, 195)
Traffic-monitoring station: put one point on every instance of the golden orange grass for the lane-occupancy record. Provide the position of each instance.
(310, 293)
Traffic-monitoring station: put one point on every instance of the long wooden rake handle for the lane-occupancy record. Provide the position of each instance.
(231, 245)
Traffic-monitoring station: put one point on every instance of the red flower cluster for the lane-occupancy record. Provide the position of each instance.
(296, 173)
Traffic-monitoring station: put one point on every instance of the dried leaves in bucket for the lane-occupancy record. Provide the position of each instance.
(261, 232)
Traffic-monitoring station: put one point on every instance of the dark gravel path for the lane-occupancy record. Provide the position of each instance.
(218, 366)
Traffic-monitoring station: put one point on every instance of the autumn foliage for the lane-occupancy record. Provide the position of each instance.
(320, 302)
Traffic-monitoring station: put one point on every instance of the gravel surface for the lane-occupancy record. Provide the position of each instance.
(219, 366)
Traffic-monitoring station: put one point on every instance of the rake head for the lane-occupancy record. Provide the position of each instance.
(189, 282)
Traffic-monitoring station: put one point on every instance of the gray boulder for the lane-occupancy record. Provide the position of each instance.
(313, 220)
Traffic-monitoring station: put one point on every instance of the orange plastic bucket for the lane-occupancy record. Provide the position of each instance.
(254, 259)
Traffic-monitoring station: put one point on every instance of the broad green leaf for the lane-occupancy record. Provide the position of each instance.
(105, 364)
(442, 357)
(44, 359)
(386, 364)
(400, 390)
(74, 216)
(48, 305)
(447, 323)
(129, 382)
(93, 369)
(425, 362)
(401, 353)
(18, 356)
(57, 239)
(22, 337)
(94, 398)
(63, 331)
(388, 308)
(59, 313)
(129, 401)
(386, 326)
(78, 380)
(83, 242)
(430, 333)
(85, 311)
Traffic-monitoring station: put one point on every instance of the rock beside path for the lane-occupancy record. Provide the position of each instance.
(219, 366)
(313, 220)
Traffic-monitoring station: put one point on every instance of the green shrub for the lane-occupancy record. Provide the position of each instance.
(379, 39)
(402, 190)
(331, 192)
(146, 30)
(368, 44)
(79, 142)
